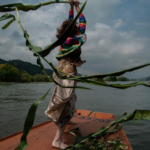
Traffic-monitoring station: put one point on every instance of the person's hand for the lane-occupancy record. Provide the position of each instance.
(76, 2)
(71, 2)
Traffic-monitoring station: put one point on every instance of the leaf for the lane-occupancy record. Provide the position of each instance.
(8, 23)
(136, 115)
(29, 122)
(7, 16)
(100, 129)
(20, 6)
(80, 145)
(117, 73)
(114, 130)
(140, 115)
(70, 148)
(78, 139)
(89, 135)
(90, 113)
(76, 130)
(101, 145)
(95, 82)
(71, 132)
(117, 145)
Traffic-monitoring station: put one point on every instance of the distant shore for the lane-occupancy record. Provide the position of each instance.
(21, 82)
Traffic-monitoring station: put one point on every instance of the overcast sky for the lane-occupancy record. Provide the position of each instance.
(118, 34)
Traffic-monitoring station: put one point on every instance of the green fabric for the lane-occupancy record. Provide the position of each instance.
(65, 52)
(67, 49)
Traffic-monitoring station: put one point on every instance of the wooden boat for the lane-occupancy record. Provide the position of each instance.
(42, 135)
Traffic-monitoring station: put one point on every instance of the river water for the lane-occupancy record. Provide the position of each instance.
(15, 100)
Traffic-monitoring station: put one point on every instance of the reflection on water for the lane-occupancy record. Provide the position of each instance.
(15, 100)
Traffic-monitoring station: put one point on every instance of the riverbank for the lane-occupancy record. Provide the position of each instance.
(22, 82)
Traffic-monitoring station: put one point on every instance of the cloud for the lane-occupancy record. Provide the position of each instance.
(4, 2)
(142, 24)
(16, 36)
(118, 23)
(112, 50)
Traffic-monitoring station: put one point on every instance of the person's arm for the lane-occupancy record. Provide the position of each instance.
(76, 4)
(70, 41)
(71, 11)
(71, 5)
(82, 21)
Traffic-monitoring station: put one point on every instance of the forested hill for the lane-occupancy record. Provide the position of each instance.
(28, 67)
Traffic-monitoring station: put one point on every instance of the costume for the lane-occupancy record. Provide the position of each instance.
(62, 104)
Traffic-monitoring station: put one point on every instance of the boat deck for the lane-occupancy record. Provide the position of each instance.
(41, 136)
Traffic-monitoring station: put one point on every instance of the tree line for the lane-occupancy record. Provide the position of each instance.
(9, 73)
(113, 78)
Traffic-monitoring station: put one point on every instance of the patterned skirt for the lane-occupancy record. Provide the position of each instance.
(62, 104)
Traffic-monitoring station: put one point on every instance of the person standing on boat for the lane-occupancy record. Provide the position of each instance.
(62, 104)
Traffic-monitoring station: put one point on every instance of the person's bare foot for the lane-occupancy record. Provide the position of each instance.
(72, 122)
(59, 144)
